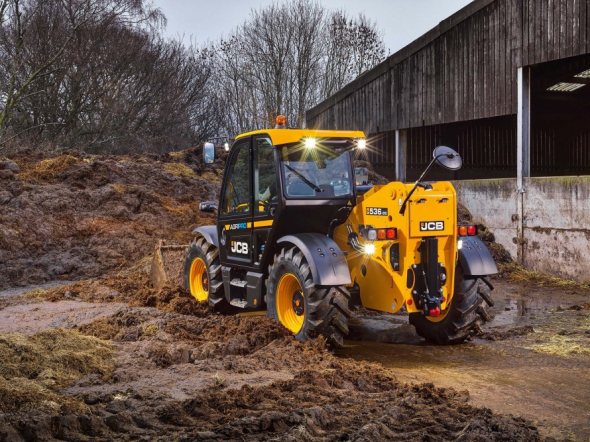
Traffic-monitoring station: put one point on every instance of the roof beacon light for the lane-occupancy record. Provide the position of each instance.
(281, 122)
(310, 143)
(362, 143)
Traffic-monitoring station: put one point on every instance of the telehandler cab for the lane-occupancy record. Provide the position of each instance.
(297, 236)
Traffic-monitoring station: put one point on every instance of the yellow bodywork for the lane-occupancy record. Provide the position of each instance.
(381, 287)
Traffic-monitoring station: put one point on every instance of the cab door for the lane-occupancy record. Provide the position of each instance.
(234, 225)
(266, 199)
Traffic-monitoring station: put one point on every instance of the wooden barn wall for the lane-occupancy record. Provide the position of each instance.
(469, 72)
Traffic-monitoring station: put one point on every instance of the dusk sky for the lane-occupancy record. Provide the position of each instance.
(402, 21)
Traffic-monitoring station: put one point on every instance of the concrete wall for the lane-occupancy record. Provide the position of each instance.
(555, 221)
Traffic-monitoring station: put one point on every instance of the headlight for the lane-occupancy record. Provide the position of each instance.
(310, 143)
(362, 143)
(369, 249)
(459, 244)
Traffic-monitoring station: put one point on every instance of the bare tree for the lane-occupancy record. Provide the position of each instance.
(54, 25)
(287, 57)
(353, 47)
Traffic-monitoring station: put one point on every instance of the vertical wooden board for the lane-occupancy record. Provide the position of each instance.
(412, 92)
(485, 69)
(536, 38)
(456, 56)
(525, 32)
(495, 56)
(393, 109)
(480, 66)
(496, 52)
(420, 83)
(550, 30)
(472, 68)
(576, 27)
(445, 77)
(502, 48)
(563, 31)
(388, 114)
(407, 86)
(583, 30)
(556, 29)
(404, 97)
(440, 79)
(543, 32)
(464, 68)
(569, 27)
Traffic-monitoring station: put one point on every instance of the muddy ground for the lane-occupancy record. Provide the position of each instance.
(107, 357)
(180, 371)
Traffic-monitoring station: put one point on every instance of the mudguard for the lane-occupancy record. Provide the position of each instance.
(475, 258)
(210, 234)
(327, 262)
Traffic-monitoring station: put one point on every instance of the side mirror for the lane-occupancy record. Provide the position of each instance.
(208, 207)
(447, 158)
(209, 153)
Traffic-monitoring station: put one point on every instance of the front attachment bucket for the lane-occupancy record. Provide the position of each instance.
(167, 264)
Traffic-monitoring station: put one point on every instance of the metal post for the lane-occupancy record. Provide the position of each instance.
(401, 144)
(523, 159)
(523, 162)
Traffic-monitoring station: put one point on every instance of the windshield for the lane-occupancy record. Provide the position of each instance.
(321, 172)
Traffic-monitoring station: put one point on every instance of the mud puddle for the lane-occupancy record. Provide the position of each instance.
(532, 360)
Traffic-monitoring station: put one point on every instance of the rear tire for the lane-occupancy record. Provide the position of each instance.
(463, 318)
(308, 310)
(202, 275)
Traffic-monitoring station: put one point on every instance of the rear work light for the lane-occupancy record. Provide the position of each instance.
(467, 230)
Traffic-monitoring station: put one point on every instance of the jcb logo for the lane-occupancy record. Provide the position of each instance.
(239, 247)
(432, 226)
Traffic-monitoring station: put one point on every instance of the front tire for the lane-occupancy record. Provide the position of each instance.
(202, 275)
(462, 320)
(307, 310)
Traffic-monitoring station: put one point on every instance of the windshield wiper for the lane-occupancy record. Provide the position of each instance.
(305, 180)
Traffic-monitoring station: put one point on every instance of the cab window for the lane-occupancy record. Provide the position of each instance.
(265, 183)
(236, 195)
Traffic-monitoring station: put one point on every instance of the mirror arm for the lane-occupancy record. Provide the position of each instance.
(403, 209)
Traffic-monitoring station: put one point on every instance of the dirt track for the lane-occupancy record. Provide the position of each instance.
(178, 371)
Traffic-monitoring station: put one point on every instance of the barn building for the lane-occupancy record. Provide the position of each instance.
(505, 82)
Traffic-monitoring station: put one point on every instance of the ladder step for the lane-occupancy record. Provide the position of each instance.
(215, 286)
(239, 303)
(238, 283)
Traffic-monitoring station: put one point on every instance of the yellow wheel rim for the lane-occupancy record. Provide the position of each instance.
(290, 302)
(199, 280)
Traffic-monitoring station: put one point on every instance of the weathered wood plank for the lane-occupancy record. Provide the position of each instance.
(526, 47)
(563, 30)
(583, 24)
(576, 27)
(502, 49)
(550, 30)
(543, 32)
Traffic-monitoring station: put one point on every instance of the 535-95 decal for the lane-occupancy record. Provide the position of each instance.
(377, 211)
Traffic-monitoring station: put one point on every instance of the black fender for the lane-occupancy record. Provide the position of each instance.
(475, 258)
(327, 262)
(210, 234)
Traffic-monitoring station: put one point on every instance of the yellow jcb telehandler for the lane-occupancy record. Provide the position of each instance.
(297, 236)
